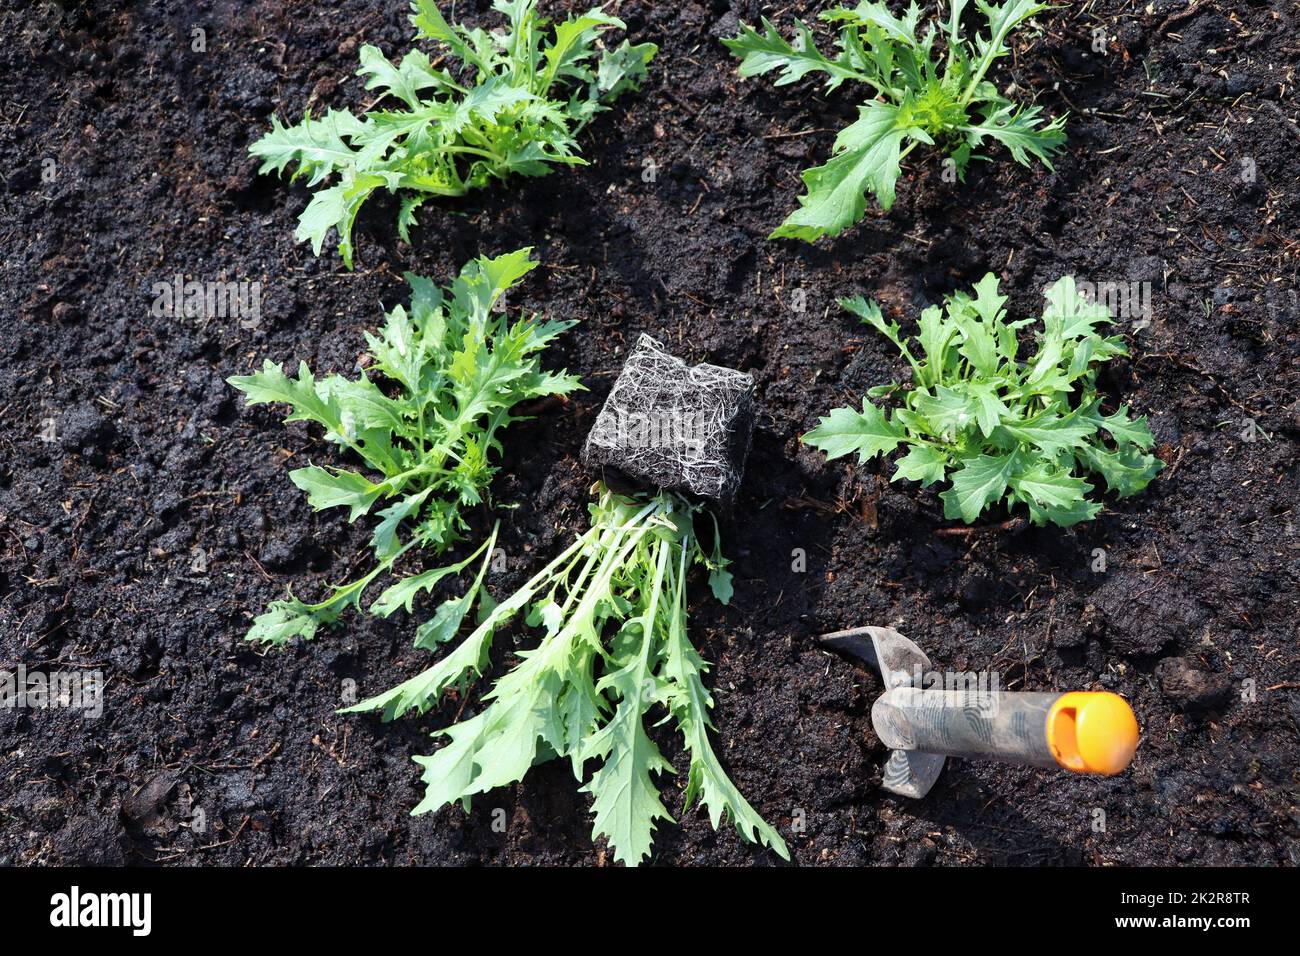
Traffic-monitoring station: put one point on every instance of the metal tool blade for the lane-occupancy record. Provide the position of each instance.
(908, 773)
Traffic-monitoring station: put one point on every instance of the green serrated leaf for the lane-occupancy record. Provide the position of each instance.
(870, 314)
(623, 69)
(317, 147)
(282, 621)
(336, 208)
(627, 803)
(404, 81)
(866, 159)
(1126, 471)
(977, 483)
(338, 489)
(990, 409)
(1049, 486)
(405, 591)
(937, 335)
(1069, 315)
(950, 411)
(763, 52)
(384, 540)
(1123, 429)
(450, 614)
(922, 463)
(843, 431)
(720, 579)
(690, 703)
(1021, 130)
(301, 395)
(1062, 516)
(1051, 433)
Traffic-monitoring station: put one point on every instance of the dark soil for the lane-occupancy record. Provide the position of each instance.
(156, 458)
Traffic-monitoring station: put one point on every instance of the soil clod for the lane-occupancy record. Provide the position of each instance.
(1190, 687)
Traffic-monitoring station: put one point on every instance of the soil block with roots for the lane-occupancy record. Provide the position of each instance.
(674, 427)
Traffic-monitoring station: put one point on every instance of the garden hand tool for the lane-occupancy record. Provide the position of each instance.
(1082, 731)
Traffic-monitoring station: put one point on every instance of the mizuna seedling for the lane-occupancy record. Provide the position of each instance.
(929, 90)
(995, 427)
(513, 105)
(453, 370)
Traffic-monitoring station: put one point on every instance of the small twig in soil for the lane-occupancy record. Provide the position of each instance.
(1011, 524)
(267, 756)
(464, 701)
(804, 502)
(803, 132)
(1176, 18)
(257, 564)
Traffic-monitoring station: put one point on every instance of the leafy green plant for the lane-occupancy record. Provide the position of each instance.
(514, 106)
(996, 426)
(581, 695)
(930, 90)
(453, 369)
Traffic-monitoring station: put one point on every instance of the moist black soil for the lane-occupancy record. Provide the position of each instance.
(124, 164)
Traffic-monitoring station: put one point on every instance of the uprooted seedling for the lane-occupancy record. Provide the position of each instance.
(925, 90)
(513, 106)
(453, 369)
(614, 651)
(995, 426)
